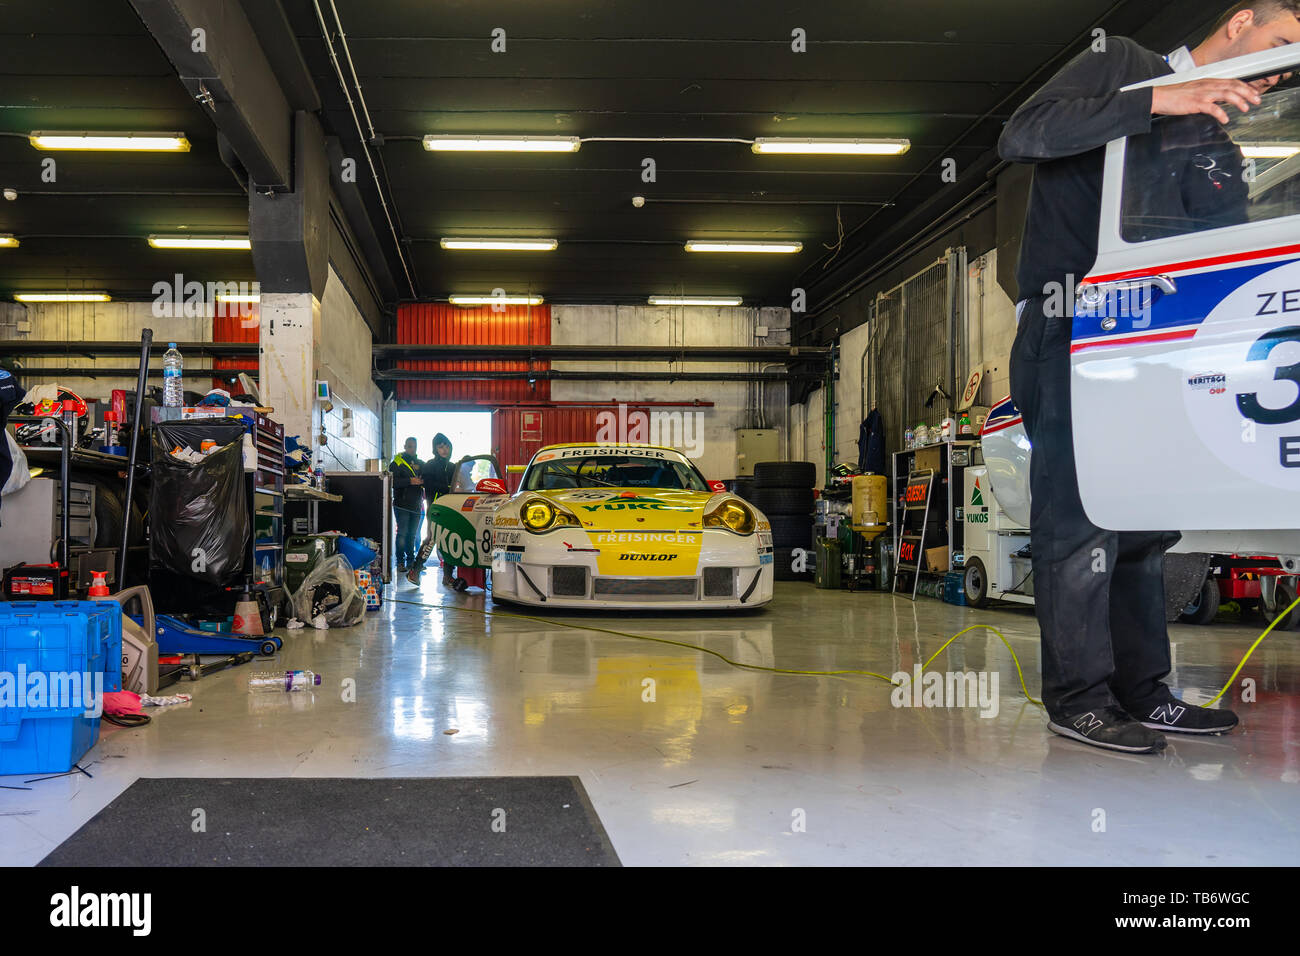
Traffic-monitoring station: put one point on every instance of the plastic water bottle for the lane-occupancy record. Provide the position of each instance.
(173, 383)
(273, 682)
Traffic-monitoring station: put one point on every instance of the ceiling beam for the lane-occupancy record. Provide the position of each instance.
(221, 63)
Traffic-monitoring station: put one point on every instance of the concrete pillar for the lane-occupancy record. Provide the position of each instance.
(290, 335)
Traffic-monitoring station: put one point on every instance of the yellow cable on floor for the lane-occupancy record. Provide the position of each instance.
(841, 673)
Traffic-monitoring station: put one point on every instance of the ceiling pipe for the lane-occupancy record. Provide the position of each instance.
(374, 173)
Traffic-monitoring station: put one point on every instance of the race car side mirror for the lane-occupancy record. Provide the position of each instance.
(717, 486)
(491, 486)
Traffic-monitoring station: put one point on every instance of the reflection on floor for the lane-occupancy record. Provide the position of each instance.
(689, 760)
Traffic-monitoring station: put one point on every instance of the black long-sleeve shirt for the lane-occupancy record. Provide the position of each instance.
(1063, 129)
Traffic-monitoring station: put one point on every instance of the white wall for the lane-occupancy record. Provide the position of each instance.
(90, 322)
(991, 328)
(735, 403)
(343, 358)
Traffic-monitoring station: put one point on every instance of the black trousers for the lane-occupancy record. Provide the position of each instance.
(1099, 595)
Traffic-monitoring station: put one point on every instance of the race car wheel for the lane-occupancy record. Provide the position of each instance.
(1203, 608)
(975, 581)
(791, 531)
(785, 474)
(783, 501)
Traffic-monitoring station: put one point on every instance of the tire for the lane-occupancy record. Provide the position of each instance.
(783, 558)
(743, 488)
(785, 474)
(1203, 608)
(108, 517)
(791, 531)
(975, 582)
(268, 648)
(1282, 598)
(783, 501)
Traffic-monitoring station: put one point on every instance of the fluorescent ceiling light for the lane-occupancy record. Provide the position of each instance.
(8, 242)
(242, 299)
(695, 300)
(62, 297)
(503, 144)
(1269, 150)
(848, 147)
(200, 242)
(527, 245)
(708, 245)
(496, 300)
(140, 142)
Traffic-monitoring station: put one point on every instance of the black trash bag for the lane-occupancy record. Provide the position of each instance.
(198, 511)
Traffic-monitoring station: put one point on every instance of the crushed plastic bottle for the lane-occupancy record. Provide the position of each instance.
(272, 682)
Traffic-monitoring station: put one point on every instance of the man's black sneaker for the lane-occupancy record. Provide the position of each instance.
(1173, 714)
(1109, 727)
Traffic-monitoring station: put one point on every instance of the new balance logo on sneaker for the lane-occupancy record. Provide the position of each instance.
(1087, 723)
(1168, 714)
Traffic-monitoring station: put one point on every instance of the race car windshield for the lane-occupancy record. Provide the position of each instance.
(614, 472)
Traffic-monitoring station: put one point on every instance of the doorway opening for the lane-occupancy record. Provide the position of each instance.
(470, 432)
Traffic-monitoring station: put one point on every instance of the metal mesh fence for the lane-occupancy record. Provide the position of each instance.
(913, 349)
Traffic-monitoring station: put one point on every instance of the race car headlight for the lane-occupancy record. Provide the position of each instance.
(734, 515)
(540, 515)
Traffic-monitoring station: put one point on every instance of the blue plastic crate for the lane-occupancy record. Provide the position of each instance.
(53, 638)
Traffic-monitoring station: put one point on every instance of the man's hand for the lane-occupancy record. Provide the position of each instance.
(417, 481)
(1203, 96)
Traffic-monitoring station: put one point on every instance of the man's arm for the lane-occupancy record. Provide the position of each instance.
(1079, 109)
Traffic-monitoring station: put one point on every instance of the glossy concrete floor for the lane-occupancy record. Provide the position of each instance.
(731, 766)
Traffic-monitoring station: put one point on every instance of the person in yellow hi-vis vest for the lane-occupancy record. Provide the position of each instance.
(408, 503)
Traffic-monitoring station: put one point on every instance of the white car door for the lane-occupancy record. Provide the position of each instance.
(1185, 356)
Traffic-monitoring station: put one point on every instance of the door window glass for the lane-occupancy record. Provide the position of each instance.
(1192, 173)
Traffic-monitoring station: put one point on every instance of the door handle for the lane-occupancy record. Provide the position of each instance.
(1092, 294)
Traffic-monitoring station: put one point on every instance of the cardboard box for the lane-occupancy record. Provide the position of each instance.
(929, 458)
(936, 559)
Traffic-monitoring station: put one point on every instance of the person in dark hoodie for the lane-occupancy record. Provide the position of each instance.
(1105, 647)
(438, 473)
(408, 503)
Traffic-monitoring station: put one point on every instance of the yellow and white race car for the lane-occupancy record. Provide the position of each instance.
(608, 525)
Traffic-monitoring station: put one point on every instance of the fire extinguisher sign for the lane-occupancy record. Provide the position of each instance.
(530, 426)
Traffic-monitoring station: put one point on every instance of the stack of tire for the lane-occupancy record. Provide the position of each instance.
(783, 491)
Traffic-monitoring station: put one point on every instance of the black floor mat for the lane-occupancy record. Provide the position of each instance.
(332, 821)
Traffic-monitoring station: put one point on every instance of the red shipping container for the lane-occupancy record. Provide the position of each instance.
(437, 323)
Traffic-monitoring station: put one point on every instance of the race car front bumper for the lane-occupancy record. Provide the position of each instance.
(546, 573)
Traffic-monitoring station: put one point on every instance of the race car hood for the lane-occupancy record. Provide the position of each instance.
(633, 508)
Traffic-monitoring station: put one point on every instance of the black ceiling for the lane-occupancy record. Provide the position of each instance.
(942, 74)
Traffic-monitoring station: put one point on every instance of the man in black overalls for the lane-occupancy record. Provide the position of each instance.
(1099, 595)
